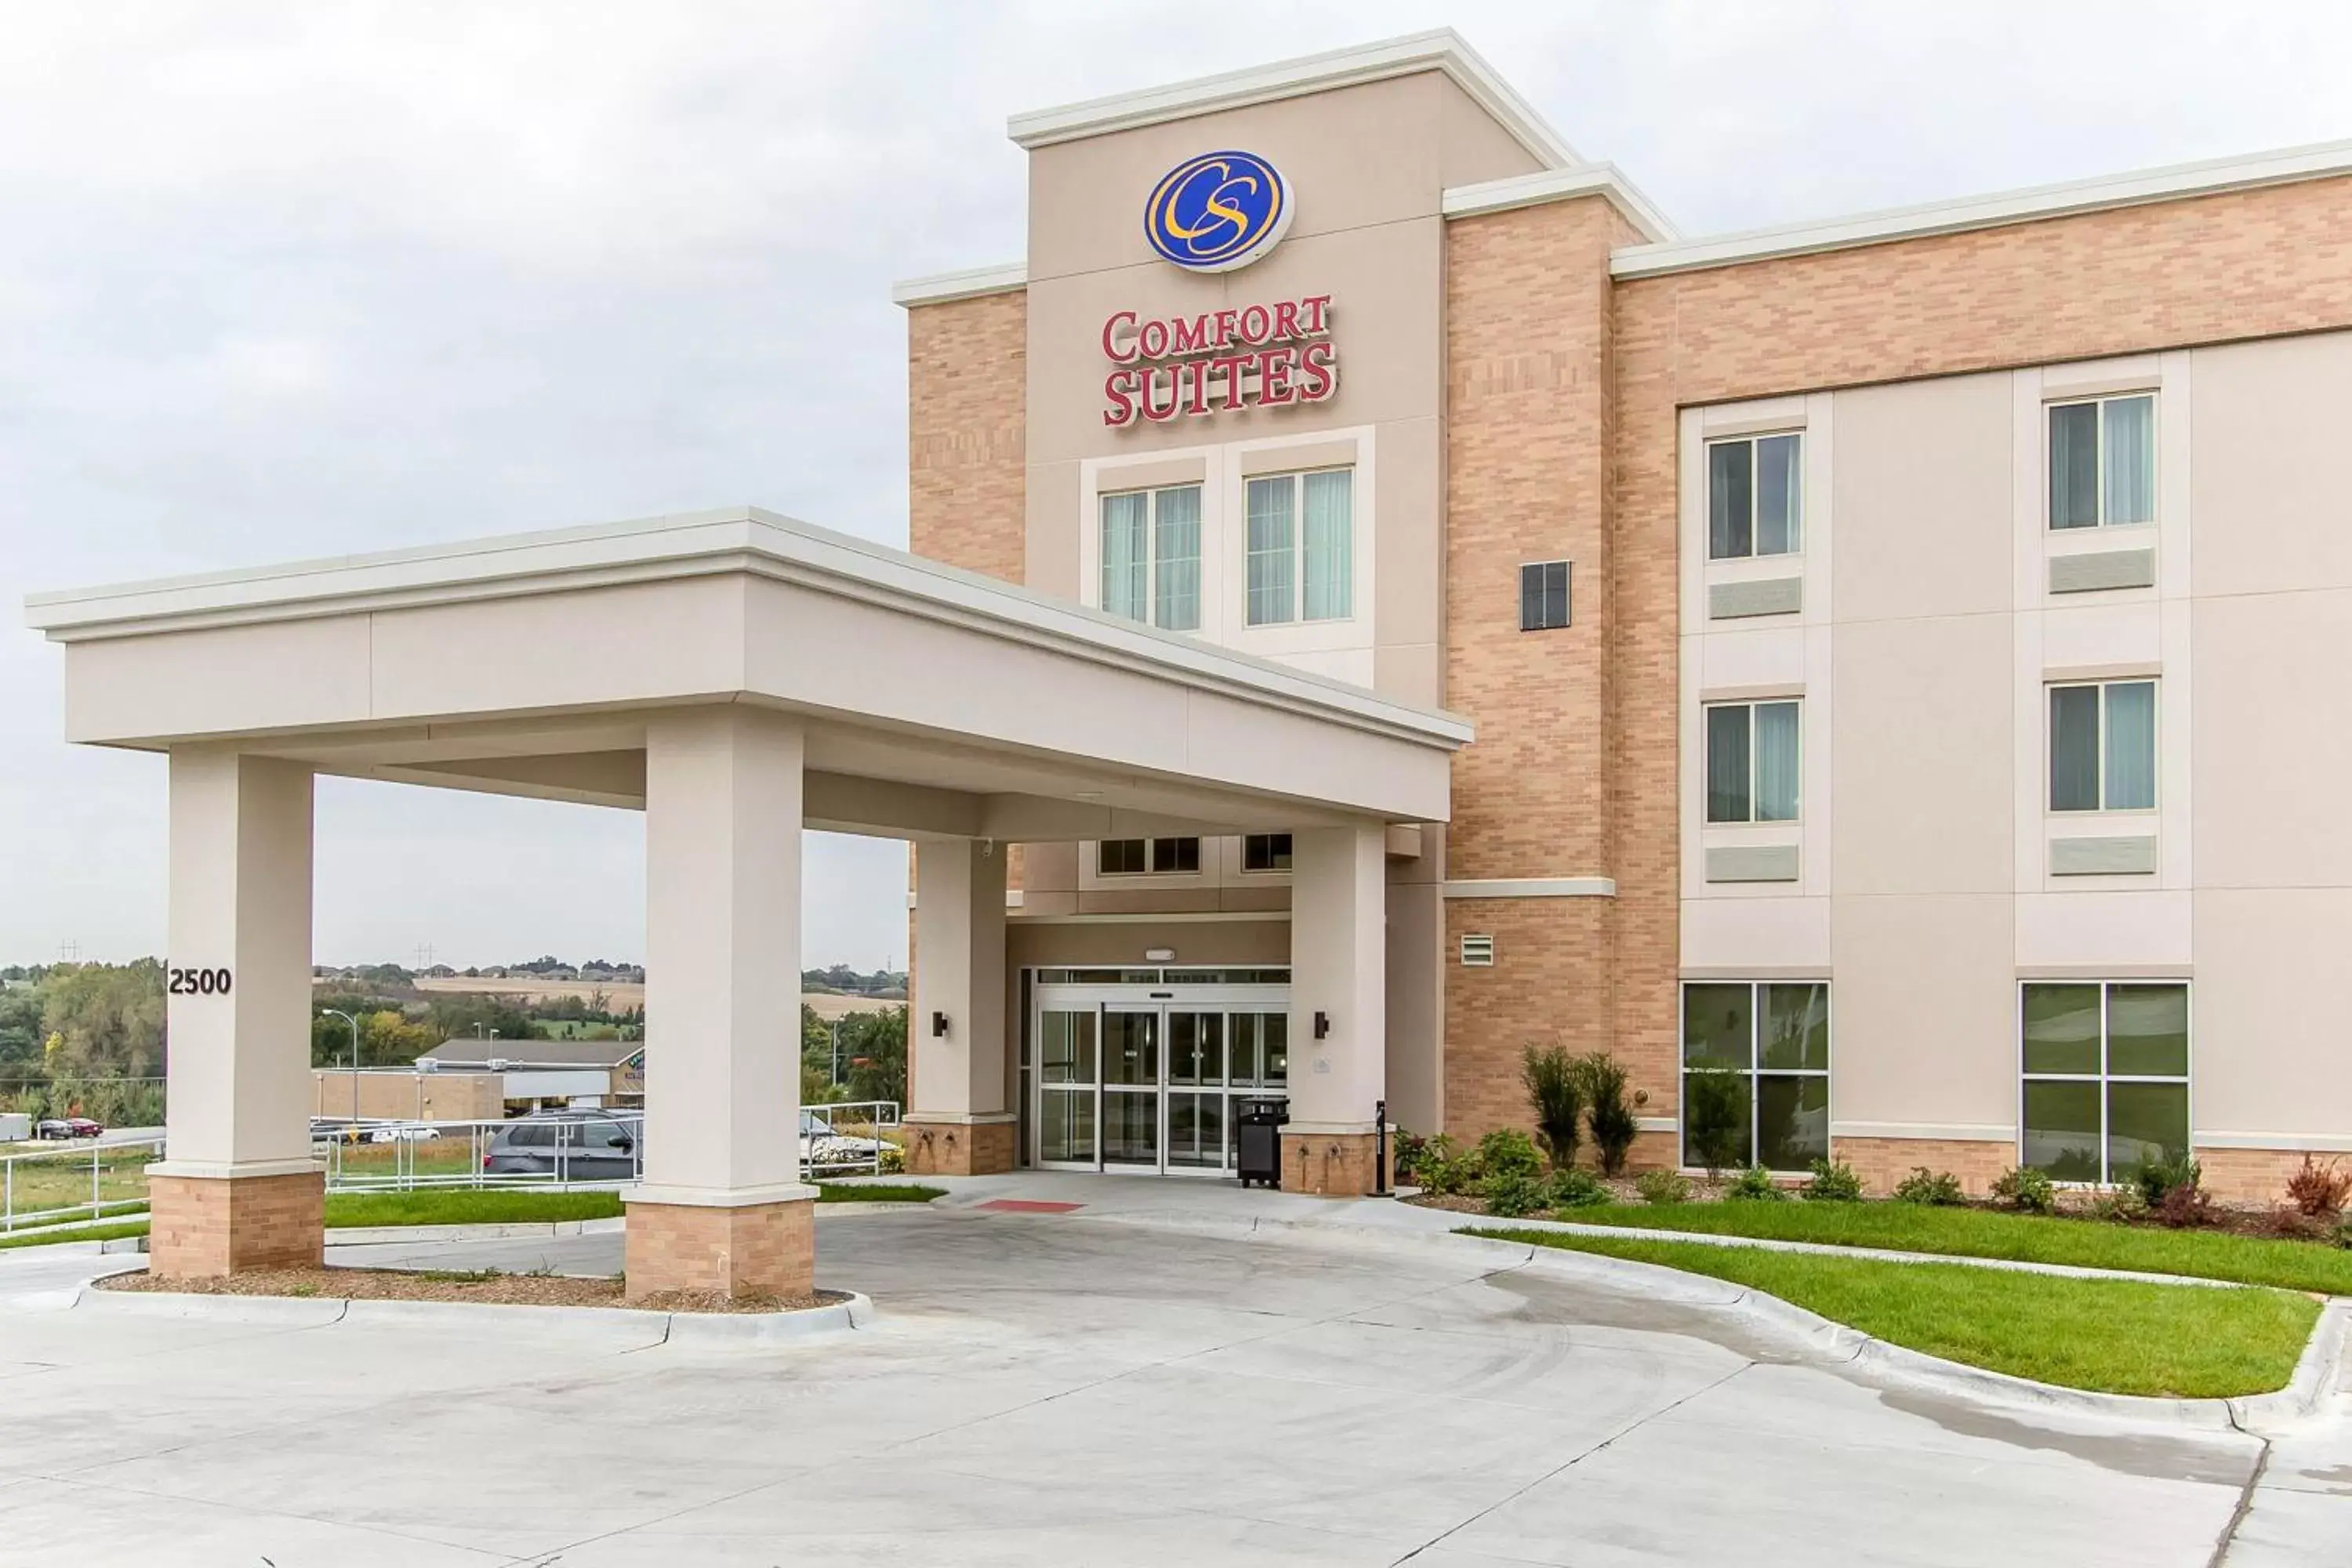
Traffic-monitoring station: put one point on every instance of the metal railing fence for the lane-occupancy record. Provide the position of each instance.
(86, 1180)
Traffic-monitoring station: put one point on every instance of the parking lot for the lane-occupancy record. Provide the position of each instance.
(1070, 1388)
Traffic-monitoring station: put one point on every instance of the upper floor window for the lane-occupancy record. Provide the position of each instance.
(1543, 595)
(1265, 852)
(2103, 461)
(1151, 556)
(1138, 857)
(1752, 762)
(1755, 496)
(1301, 563)
(2102, 746)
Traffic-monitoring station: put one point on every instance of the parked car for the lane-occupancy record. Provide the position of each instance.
(68, 1127)
(821, 1147)
(567, 1145)
(404, 1134)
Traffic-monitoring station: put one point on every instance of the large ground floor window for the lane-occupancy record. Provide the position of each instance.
(1756, 1067)
(2107, 1077)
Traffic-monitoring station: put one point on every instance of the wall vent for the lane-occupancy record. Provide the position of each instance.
(1477, 951)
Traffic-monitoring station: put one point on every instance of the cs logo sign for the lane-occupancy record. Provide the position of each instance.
(1217, 212)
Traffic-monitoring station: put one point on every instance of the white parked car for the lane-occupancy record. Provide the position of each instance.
(822, 1146)
(404, 1135)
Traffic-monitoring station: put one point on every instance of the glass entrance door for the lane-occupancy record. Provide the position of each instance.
(1141, 1078)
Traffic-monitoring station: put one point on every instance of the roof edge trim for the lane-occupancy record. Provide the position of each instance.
(2177, 182)
(1560, 184)
(972, 283)
(1441, 49)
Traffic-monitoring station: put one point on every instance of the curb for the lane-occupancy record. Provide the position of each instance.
(624, 1328)
(1823, 1340)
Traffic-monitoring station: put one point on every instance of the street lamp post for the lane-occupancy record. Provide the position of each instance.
(354, 1026)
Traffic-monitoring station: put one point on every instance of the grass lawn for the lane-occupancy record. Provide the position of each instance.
(1983, 1233)
(44, 1237)
(59, 1178)
(2111, 1336)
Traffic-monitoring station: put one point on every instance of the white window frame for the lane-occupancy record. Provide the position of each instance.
(1295, 478)
(2099, 423)
(1707, 763)
(1152, 494)
(1797, 523)
(2050, 747)
(2186, 1078)
(1756, 1069)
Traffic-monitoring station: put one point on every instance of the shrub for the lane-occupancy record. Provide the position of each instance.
(1576, 1189)
(1443, 1170)
(2155, 1179)
(1513, 1194)
(1608, 1110)
(1833, 1182)
(1755, 1183)
(2186, 1202)
(891, 1160)
(1714, 1115)
(2121, 1205)
(2023, 1187)
(1926, 1186)
(1556, 1094)
(1407, 1157)
(1662, 1187)
(2318, 1191)
(1507, 1151)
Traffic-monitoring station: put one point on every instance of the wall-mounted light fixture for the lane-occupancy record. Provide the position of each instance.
(1322, 1025)
(939, 1024)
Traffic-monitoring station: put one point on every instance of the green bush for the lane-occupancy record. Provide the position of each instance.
(1513, 1194)
(1926, 1186)
(2023, 1187)
(1608, 1112)
(2123, 1205)
(1554, 1088)
(1507, 1151)
(1834, 1182)
(1753, 1183)
(1407, 1158)
(1714, 1115)
(1443, 1170)
(2157, 1179)
(1662, 1187)
(1575, 1189)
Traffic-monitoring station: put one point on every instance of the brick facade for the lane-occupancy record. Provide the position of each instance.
(959, 1149)
(1332, 1164)
(203, 1226)
(2255, 1176)
(967, 435)
(1881, 1162)
(759, 1249)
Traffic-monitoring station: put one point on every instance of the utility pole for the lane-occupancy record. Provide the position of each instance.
(354, 1024)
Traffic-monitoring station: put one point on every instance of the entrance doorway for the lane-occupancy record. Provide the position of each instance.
(1144, 1070)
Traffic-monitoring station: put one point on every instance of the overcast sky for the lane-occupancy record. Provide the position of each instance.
(293, 280)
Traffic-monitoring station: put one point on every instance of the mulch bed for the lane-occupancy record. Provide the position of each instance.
(489, 1287)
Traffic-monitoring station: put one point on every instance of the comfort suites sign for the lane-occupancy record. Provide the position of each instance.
(1213, 213)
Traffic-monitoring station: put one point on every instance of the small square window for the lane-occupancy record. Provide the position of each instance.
(2103, 462)
(1176, 855)
(1543, 595)
(1755, 497)
(1121, 856)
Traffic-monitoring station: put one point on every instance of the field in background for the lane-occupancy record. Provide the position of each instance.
(617, 996)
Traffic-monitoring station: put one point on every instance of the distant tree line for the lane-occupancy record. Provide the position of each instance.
(871, 1056)
(842, 979)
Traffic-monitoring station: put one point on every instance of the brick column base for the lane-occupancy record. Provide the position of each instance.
(1881, 1162)
(1332, 1164)
(959, 1148)
(200, 1227)
(757, 1249)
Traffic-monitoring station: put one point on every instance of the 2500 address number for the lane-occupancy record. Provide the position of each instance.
(196, 981)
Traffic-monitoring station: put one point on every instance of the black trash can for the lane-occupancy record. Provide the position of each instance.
(1258, 1139)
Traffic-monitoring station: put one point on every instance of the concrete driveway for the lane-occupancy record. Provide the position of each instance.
(1062, 1388)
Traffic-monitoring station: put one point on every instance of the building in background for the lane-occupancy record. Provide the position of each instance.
(1904, 650)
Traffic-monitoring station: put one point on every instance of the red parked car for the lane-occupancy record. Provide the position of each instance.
(68, 1127)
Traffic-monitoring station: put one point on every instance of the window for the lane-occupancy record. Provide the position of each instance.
(1152, 557)
(1752, 762)
(1755, 497)
(1769, 1042)
(2107, 1078)
(1265, 852)
(1138, 856)
(1543, 595)
(2103, 747)
(2103, 462)
(1301, 564)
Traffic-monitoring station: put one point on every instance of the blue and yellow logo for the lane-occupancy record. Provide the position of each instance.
(1217, 212)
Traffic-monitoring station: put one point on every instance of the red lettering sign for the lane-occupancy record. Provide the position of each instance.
(1270, 355)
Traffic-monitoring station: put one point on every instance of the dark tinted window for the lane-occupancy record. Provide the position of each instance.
(1543, 595)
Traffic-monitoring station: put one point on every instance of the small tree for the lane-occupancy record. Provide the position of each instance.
(1556, 1092)
(1609, 1113)
(1714, 1115)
